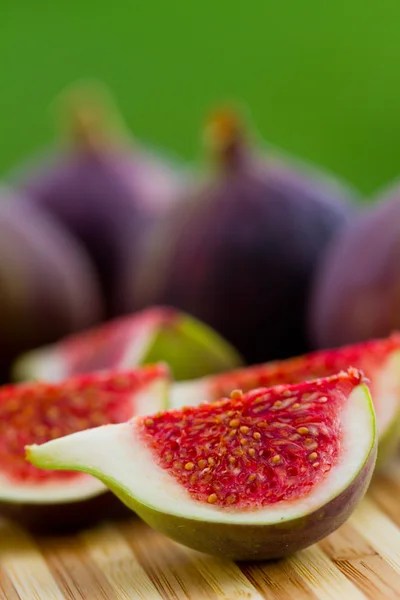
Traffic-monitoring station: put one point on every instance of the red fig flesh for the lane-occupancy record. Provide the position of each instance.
(378, 359)
(38, 412)
(189, 347)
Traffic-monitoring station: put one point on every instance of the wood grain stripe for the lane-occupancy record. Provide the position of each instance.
(114, 557)
(77, 576)
(356, 559)
(25, 566)
(278, 581)
(322, 575)
(167, 564)
(224, 577)
(379, 530)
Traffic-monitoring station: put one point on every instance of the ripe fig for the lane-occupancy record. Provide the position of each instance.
(190, 348)
(107, 191)
(255, 476)
(240, 250)
(357, 289)
(37, 412)
(379, 360)
(48, 287)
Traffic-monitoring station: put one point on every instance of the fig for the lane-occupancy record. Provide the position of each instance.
(356, 291)
(254, 476)
(37, 412)
(189, 347)
(105, 189)
(378, 359)
(48, 286)
(240, 250)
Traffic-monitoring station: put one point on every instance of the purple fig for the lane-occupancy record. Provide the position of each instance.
(240, 250)
(48, 287)
(357, 289)
(105, 190)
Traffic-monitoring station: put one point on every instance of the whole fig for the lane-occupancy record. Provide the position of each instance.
(356, 294)
(48, 287)
(106, 190)
(240, 250)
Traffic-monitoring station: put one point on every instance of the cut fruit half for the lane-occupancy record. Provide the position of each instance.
(378, 359)
(253, 476)
(191, 348)
(38, 412)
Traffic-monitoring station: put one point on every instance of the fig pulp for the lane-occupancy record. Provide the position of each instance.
(254, 476)
(357, 289)
(240, 251)
(378, 359)
(38, 412)
(44, 276)
(105, 190)
(190, 348)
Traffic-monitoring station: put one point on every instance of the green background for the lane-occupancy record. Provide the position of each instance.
(321, 78)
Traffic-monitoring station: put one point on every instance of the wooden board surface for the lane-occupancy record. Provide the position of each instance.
(129, 560)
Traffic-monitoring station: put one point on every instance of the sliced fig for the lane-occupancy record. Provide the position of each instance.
(191, 348)
(254, 476)
(38, 412)
(378, 359)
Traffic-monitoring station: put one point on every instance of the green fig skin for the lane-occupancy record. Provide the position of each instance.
(268, 542)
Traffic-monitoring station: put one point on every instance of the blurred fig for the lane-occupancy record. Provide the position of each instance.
(356, 295)
(240, 250)
(48, 287)
(103, 188)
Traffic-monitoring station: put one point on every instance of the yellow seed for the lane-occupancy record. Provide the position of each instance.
(316, 465)
(233, 432)
(168, 457)
(275, 459)
(230, 413)
(211, 461)
(277, 403)
(252, 452)
(193, 478)
(212, 498)
(230, 499)
(313, 456)
(302, 430)
(232, 460)
(234, 423)
(243, 441)
(149, 422)
(256, 435)
(252, 477)
(189, 466)
(236, 394)
(287, 393)
(244, 429)
(296, 405)
(202, 463)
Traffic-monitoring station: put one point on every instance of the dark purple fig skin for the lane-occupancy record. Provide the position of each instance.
(263, 542)
(48, 287)
(108, 198)
(241, 252)
(356, 294)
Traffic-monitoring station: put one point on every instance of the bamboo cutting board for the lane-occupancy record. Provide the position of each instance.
(129, 560)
